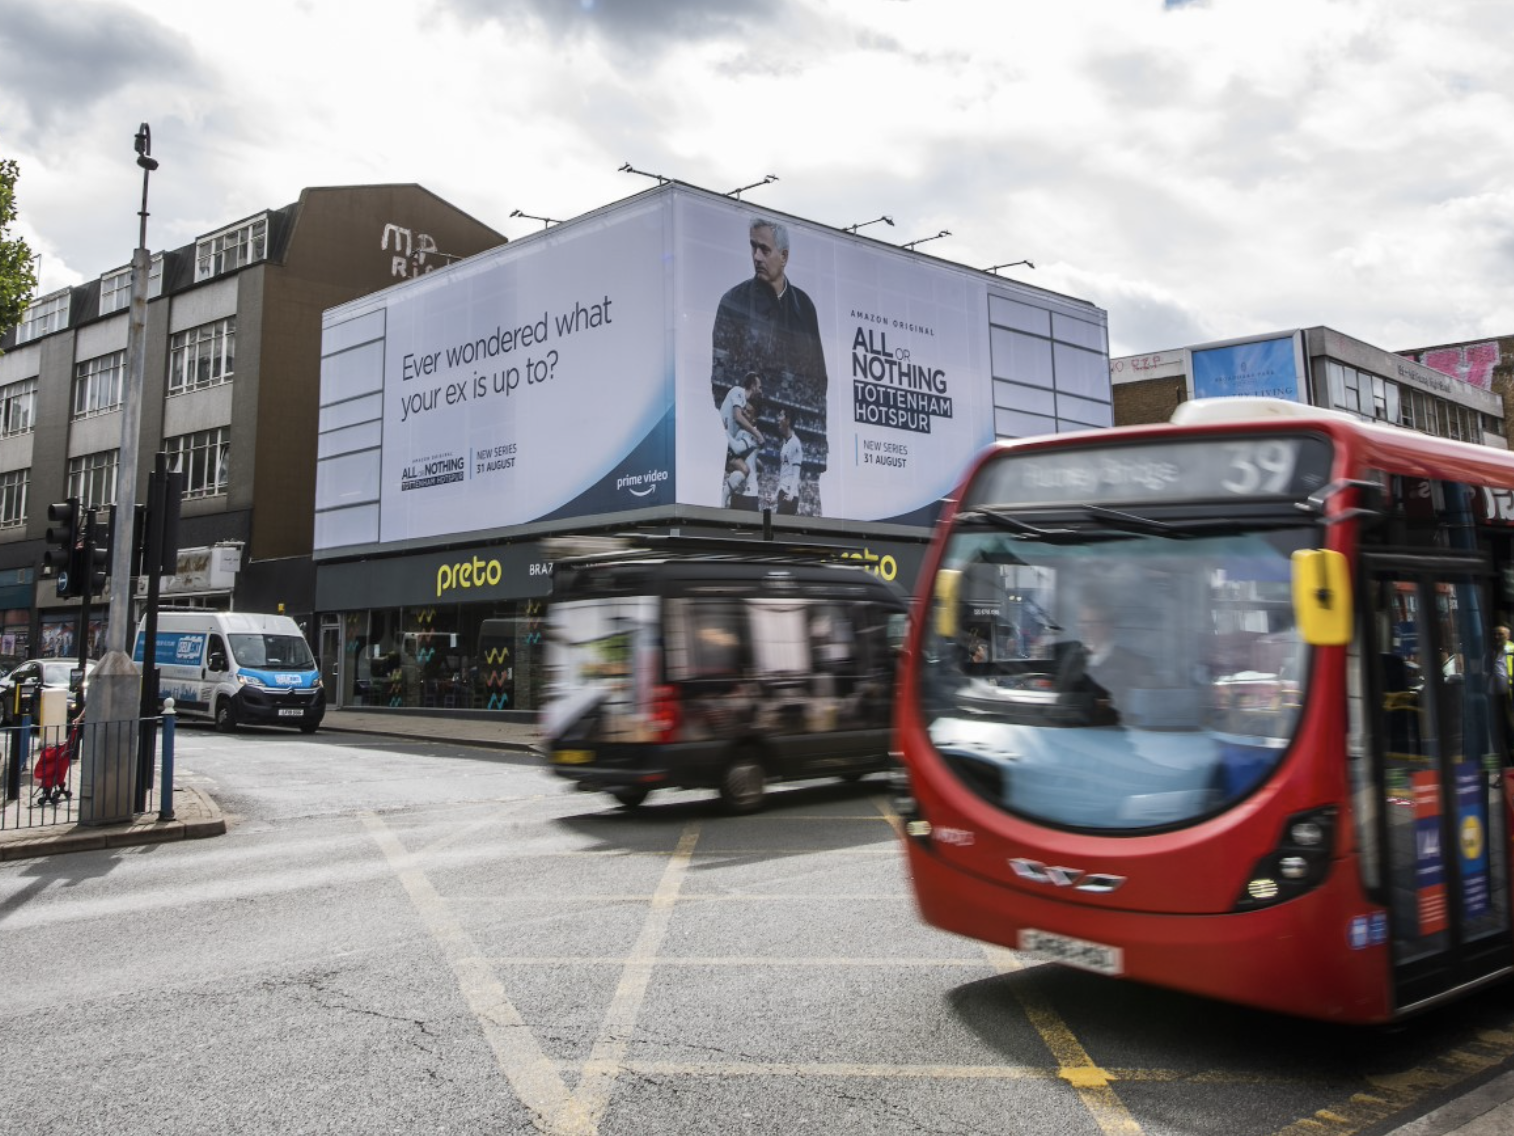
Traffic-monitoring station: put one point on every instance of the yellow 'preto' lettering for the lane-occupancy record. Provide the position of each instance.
(475, 573)
(884, 567)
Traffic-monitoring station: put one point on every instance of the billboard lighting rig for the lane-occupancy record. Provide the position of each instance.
(922, 240)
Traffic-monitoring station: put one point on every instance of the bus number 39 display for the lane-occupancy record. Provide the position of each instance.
(1219, 705)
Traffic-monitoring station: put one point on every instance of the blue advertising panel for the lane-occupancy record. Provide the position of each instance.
(1268, 368)
(1471, 829)
(175, 648)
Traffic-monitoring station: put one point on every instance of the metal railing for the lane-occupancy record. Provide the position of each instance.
(48, 770)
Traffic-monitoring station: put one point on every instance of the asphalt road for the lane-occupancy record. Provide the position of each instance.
(397, 936)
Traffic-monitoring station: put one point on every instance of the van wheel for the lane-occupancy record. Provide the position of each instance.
(226, 716)
(742, 786)
(630, 796)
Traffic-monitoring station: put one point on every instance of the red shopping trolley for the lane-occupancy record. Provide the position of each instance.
(50, 774)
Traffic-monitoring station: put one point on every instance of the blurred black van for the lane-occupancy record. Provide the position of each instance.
(694, 663)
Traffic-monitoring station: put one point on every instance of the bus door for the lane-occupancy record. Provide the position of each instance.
(1440, 750)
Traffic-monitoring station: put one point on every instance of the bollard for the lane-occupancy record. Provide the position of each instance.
(13, 764)
(165, 802)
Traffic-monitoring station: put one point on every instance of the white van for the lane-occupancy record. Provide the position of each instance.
(237, 668)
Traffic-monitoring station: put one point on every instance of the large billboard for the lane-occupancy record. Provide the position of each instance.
(1271, 368)
(679, 350)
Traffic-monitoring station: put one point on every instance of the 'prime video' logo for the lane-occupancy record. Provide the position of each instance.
(641, 484)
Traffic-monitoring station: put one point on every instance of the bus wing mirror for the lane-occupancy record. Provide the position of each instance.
(948, 586)
(1322, 597)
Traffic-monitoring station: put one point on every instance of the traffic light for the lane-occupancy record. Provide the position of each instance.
(94, 567)
(63, 544)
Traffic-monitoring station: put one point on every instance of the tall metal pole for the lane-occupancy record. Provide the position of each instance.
(105, 789)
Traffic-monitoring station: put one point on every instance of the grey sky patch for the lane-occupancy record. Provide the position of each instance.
(643, 24)
(58, 60)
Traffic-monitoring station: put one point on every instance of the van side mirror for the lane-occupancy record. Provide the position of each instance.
(948, 587)
(1322, 597)
(216, 661)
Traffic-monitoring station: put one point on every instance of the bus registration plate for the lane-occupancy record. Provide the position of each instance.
(1080, 953)
(573, 756)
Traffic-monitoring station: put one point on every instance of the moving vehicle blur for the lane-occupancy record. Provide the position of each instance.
(693, 663)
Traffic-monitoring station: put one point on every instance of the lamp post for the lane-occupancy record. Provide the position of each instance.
(106, 783)
(994, 268)
(886, 219)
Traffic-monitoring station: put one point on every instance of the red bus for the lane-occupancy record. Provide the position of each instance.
(1212, 705)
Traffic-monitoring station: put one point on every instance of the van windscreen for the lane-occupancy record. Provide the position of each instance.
(272, 652)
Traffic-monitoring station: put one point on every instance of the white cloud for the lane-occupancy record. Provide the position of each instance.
(1201, 170)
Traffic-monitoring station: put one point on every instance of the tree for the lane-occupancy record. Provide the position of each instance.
(18, 273)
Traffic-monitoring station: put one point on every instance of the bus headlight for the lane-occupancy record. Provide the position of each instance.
(1299, 863)
(902, 800)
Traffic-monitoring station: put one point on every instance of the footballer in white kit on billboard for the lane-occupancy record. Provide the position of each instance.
(822, 375)
(531, 386)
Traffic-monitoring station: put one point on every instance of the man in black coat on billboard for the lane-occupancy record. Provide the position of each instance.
(766, 324)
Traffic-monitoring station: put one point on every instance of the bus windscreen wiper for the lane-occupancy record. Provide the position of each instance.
(1132, 522)
(1001, 519)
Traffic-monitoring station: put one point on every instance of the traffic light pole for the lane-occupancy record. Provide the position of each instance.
(82, 638)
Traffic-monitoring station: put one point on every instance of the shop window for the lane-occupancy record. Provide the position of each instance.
(16, 636)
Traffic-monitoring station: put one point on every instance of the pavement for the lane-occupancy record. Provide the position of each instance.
(1485, 1110)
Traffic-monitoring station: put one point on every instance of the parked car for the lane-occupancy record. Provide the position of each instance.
(52, 674)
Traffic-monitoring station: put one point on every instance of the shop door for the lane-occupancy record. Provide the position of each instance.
(331, 659)
(1440, 755)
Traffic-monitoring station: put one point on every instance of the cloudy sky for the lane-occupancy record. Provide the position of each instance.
(1202, 169)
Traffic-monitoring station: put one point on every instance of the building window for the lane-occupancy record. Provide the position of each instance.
(115, 287)
(92, 478)
(202, 458)
(115, 291)
(1370, 396)
(18, 407)
(98, 384)
(202, 356)
(13, 487)
(43, 317)
(231, 249)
